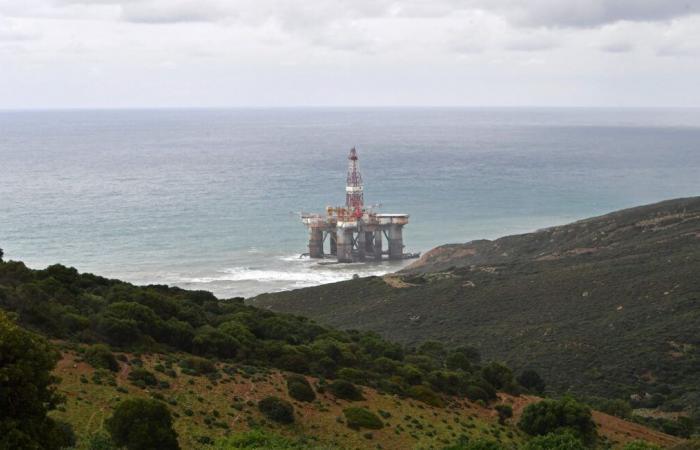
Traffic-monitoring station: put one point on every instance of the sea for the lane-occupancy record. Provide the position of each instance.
(210, 198)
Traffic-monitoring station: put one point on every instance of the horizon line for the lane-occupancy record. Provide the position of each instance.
(290, 107)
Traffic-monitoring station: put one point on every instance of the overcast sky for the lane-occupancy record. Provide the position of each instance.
(160, 53)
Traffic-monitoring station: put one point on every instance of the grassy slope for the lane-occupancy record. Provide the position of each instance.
(423, 426)
(606, 306)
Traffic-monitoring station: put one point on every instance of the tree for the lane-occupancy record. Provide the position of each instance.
(142, 424)
(499, 376)
(552, 416)
(26, 390)
(532, 381)
(1, 254)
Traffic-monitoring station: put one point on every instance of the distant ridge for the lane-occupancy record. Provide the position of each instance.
(606, 306)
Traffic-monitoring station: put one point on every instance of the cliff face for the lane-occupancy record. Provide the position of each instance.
(605, 306)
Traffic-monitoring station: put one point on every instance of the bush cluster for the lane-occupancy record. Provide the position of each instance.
(300, 389)
(555, 416)
(357, 418)
(277, 410)
(100, 356)
(65, 304)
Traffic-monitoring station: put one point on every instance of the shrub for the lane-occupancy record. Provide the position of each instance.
(195, 365)
(426, 395)
(100, 356)
(475, 393)
(258, 440)
(532, 381)
(345, 390)
(140, 424)
(480, 444)
(640, 445)
(300, 389)
(276, 409)
(551, 416)
(357, 418)
(555, 441)
(142, 377)
(504, 412)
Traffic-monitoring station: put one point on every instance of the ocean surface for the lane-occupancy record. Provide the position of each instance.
(209, 199)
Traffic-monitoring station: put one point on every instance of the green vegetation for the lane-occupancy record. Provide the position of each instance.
(479, 444)
(532, 381)
(640, 445)
(142, 377)
(345, 390)
(276, 409)
(602, 307)
(357, 418)
(194, 365)
(140, 424)
(556, 441)
(556, 416)
(100, 356)
(262, 440)
(212, 361)
(505, 412)
(64, 304)
(27, 391)
(300, 389)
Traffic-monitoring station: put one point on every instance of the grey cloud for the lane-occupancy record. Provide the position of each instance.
(170, 12)
(531, 44)
(589, 13)
(617, 47)
(678, 50)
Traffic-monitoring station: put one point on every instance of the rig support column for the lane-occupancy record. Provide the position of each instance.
(378, 245)
(344, 245)
(395, 241)
(369, 242)
(361, 245)
(334, 242)
(316, 242)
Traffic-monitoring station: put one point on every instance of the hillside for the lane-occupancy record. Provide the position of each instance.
(608, 306)
(212, 364)
(215, 406)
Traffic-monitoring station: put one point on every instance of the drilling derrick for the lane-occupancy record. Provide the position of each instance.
(356, 233)
(354, 196)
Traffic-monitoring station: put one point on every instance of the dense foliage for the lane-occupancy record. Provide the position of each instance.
(300, 389)
(276, 409)
(559, 416)
(555, 441)
(100, 356)
(26, 390)
(357, 418)
(63, 303)
(603, 307)
(142, 424)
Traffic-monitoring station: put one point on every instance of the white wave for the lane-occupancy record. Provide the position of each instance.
(291, 278)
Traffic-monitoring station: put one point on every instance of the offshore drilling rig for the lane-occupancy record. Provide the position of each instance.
(356, 233)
